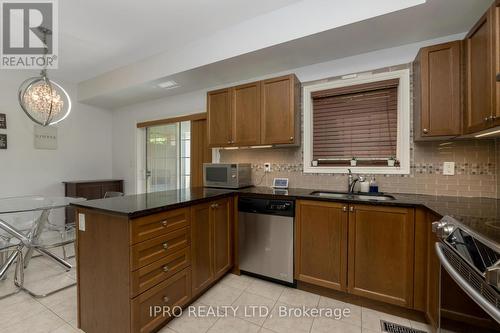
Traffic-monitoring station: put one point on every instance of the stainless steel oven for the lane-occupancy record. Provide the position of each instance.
(223, 175)
(469, 297)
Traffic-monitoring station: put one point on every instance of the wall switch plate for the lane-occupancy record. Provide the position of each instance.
(449, 168)
(267, 167)
(81, 222)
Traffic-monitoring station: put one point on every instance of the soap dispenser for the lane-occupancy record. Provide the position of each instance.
(373, 186)
(364, 185)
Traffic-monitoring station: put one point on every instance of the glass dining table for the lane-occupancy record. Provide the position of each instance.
(28, 234)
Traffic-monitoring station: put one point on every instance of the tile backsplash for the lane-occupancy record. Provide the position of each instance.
(476, 172)
(475, 169)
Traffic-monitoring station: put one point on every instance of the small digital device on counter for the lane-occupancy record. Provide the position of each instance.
(280, 183)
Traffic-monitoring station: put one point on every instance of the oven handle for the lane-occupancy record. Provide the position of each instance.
(471, 292)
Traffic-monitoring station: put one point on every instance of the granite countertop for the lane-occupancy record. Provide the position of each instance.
(481, 215)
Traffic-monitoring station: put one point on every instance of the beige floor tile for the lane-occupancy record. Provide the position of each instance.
(20, 297)
(237, 281)
(246, 304)
(287, 324)
(220, 295)
(19, 312)
(166, 329)
(232, 324)
(265, 330)
(67, 328)
(266, 289)
(191, 324)
(420, 326)
(354, 316)
(298, 297)
(42, 322)
(328, 325)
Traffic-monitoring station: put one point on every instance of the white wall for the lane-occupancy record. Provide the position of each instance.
(84, 145)
(125, 133)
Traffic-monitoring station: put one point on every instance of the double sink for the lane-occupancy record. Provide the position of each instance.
(353, 196)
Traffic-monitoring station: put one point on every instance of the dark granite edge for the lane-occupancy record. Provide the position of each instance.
(146, 212)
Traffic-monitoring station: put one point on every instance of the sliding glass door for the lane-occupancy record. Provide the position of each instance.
(168, 157)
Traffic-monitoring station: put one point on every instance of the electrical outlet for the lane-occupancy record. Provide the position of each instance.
(449, 168)
(267, 167)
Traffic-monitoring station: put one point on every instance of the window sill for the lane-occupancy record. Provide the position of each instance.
(402, 170)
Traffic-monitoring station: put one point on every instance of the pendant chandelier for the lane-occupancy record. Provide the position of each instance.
(44, 101)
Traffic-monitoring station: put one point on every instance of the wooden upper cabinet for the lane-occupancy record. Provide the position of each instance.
(246, 114)
(321, 244)
(279, 117)
(480, 74)
(253, 114)
(219, 118)
(437, 82)
(223, 235)
(381, 253)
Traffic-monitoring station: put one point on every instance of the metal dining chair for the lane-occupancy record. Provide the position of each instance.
(7, 248)
(112, 194)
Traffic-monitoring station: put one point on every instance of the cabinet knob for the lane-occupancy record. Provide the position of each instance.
(344, 209)
(215, 205)
(165, 245)
(165, 268)
(166, 299)
(487, 119)
(164, 223)
(425, 130)
(351, 209)
(291, 138)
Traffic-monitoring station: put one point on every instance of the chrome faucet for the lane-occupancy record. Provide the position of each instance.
(351, 182)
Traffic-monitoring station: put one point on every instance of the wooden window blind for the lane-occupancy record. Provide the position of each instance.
(358, 121)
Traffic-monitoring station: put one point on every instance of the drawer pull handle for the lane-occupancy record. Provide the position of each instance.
(164, 223)
(165, 245)
(165, 268)
(166, 299)
(215, 205)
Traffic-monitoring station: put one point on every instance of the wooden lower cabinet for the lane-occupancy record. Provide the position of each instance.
(126, 266)
(381, 253)
(212, 244)
(368, 252)
(321, 244)
(172, 293)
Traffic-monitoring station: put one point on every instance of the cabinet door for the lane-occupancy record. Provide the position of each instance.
(439, 101)
(321, 244)
(496, 57)
(479, 74)
(246, 114)
(219, 118)
(201, 247)
(381, 253)
(278, 110)
(222, 224)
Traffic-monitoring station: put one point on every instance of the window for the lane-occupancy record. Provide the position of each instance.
(168, 156)
(366, 119)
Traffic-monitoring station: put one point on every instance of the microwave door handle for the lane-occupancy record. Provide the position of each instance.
(455, 275)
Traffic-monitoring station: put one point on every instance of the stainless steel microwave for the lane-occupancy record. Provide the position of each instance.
(227, 175)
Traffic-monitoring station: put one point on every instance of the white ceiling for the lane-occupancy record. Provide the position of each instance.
(434, 19)
(97, 36)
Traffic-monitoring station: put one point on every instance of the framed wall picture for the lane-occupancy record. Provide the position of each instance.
(3, 121)
(3, 141)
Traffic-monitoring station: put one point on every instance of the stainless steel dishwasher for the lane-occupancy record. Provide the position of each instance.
(266, 238)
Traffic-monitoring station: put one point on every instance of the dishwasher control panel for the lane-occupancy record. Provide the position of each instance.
(267, 206)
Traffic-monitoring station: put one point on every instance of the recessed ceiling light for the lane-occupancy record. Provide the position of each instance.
(170, 84)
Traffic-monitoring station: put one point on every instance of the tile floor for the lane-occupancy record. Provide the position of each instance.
(57, 313)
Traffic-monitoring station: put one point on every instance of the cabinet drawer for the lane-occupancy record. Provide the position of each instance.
(147, 252)
(152, 274)
(152, 226)
(176, 291)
